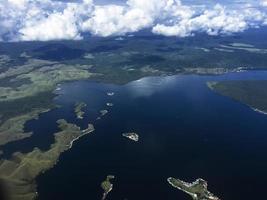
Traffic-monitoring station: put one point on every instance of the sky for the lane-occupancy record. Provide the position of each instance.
(45, 20)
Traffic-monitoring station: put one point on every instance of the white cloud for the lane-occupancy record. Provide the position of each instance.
(116, 20)
(44, 20)
(264, 2)
(217, 20)
(58, 25)
(136, 15)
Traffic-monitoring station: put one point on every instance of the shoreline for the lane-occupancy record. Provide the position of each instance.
(77, 138)
(179, 188)
(258, 110)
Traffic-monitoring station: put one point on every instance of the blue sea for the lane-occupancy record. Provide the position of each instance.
(185, 131)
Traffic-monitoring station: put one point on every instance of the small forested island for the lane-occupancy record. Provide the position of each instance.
(250, 92)
(79, 109)
(103, 112)
(198, 190)
(19, 172)
(110, 104)
(131, 136)
(107, 186)
(110, 93)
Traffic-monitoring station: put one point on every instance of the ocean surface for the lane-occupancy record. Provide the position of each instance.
(186, 131)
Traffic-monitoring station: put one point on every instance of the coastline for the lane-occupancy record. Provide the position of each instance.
(77, 138)
(258, 110)
(25, 167)
(179, 188)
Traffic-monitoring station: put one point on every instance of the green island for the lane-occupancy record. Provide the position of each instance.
(131, 136)
(107, 186)
(79, 109)
(110, 93)
(18, 174)
(103, 112)
(250, 92)
(27, 90)
(198, 190)
(109, 104)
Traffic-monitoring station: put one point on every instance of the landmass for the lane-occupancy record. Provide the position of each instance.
(250, 92)
(107, 186)
(110, 93)
(79, 109)
(103, 112)
(31, 72)
(13, 128)
(39, 76)
(110, 104)
(244, 47)
(198, 190)
(18, 174)
(27, 90)
(131, 136)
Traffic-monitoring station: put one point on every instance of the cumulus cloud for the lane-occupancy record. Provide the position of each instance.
(43, 20)
(27, 20)
(116, 20)
(217, 20)
(56, 25)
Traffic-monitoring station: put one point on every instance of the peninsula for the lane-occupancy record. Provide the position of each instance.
(198, 190)
(249, 92)
(20, 172)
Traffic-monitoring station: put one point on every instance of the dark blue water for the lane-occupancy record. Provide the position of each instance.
(186, 131)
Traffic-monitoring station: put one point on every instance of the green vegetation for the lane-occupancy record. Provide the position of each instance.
(44, 79)
(131, 136)
(103, 112)
(198, 190)
(107, 186)
(19, 173)
(12, 129)
(24, 106)
(14, 114)
(30, 72)
(32, 93)
(251, 93)
(79, 109)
